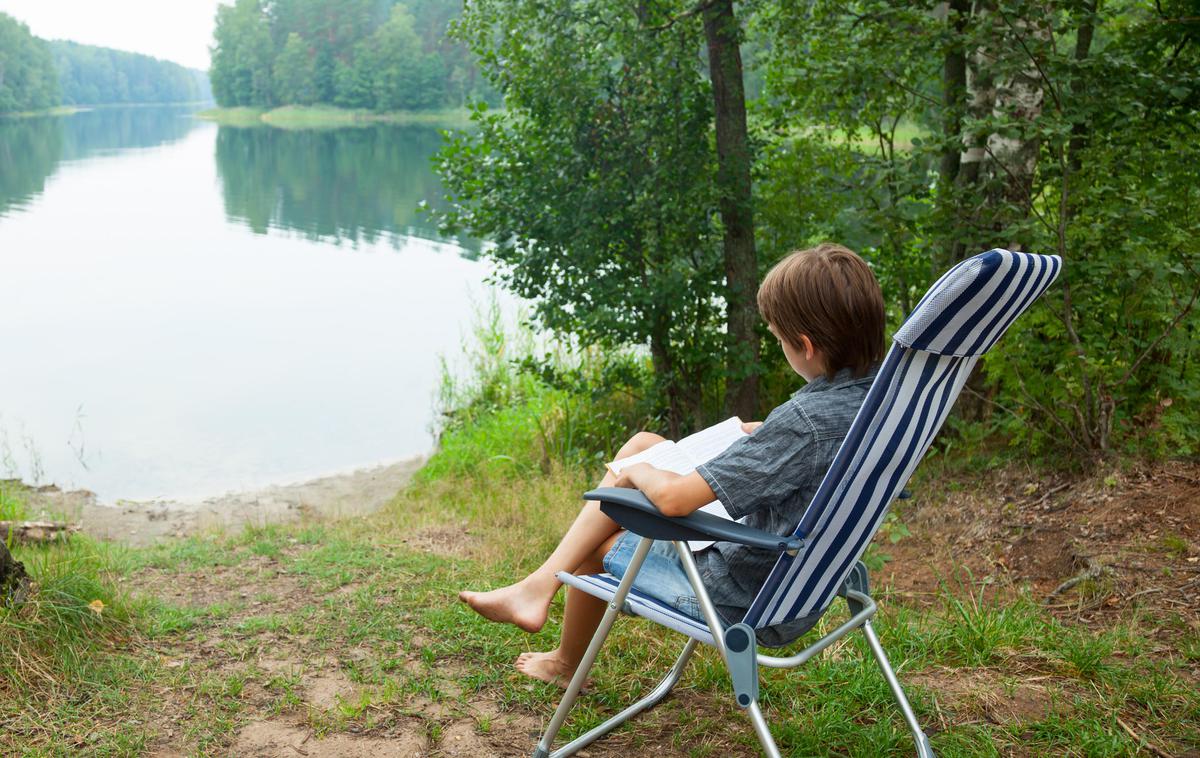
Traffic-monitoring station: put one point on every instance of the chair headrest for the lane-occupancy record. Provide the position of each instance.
(968, 309)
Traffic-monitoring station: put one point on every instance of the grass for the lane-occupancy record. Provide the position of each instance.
(58, 110)
(12, 506)
(369, 601)
(69, 648)
(330, 117)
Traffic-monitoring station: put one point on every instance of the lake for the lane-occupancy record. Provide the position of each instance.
(187, 309)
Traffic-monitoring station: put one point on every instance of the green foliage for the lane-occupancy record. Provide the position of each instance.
(521, 409)
(91, 75)
(597, 183)
(295, 74)
(241, 70)
(28, 79)
(383, 56)
(12, 506)
(75, 610)
(916, 134)
(1031, 149)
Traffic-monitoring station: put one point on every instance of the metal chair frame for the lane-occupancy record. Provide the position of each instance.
(862, 608)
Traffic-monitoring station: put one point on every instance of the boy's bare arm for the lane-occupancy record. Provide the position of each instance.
(673, 494)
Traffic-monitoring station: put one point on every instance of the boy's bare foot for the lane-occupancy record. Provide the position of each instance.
(517, 604)
(548, 667)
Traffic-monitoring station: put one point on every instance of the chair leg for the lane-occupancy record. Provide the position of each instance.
(589, 656)
(660, 691)
(762, 730)
(714, 625)
(924, 749)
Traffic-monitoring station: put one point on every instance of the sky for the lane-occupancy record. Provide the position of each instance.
(175, 30)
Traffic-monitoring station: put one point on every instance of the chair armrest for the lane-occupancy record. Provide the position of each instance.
(634, 511)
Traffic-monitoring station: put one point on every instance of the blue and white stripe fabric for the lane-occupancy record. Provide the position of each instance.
(957, 321)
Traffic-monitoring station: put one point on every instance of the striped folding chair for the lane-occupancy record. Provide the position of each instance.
(932, 355)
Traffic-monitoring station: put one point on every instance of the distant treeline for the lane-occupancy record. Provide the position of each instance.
(90, 75)
(378, 54)
(36, 74)
(28, 79)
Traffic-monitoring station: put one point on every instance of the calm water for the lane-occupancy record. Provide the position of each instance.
(187, 309)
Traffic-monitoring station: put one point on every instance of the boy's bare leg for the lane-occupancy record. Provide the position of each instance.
(580, 619)
(526, 603)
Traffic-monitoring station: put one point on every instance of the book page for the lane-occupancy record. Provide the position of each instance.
(683, 457)
(665, 456)
(707, 444)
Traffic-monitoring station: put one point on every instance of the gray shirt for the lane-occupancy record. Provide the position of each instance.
(770, 477)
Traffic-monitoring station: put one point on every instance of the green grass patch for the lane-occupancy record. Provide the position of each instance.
(12, 505)
(59, 110)
(378, 610)
(330, 117)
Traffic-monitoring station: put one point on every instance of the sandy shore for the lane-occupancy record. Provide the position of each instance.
(141, 523)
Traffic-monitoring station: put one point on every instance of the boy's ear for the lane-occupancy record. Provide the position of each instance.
(807, 346)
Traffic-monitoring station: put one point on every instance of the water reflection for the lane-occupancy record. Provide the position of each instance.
(29, 152)
(31, 149)
(166, 349)
(350, 185)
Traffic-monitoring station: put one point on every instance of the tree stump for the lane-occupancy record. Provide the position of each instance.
(14, 582)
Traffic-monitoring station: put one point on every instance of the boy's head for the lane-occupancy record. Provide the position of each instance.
(829, 296)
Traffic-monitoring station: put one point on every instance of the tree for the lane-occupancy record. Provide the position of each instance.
(404, 78)
(352, 82)
(295, 74)
(1020, 117)
(242, 53)
(91, 75)
(28, 78)
(352, 53)
(597, 182)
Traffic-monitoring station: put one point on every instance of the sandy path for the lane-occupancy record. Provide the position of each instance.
(141, 523)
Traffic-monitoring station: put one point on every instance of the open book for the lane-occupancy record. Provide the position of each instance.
(684, 456)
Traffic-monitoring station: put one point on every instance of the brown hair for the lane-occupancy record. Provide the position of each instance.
(829, 294)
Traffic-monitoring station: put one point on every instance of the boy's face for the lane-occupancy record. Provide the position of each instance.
(803, 359)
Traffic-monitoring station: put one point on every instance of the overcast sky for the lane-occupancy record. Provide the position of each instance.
(176, 30)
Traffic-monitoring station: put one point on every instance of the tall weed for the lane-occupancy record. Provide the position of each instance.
(524, 406)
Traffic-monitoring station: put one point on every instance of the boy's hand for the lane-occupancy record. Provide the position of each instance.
(749, 426)
(625, 478)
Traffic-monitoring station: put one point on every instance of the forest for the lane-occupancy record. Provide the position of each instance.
(28, 79)
(36, 74)
(636, 193)
(90, 75)
(383, 56)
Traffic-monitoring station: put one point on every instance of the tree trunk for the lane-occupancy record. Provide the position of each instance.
(954, 99)
(1083, 48)
(722, 32)
(1019, 97)
(664, 369)
(14, 582)
(980, 99)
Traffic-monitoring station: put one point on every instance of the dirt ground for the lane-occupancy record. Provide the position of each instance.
(143, 523)
(1087, 546)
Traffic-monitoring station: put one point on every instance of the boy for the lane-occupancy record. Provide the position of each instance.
(826, 309)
